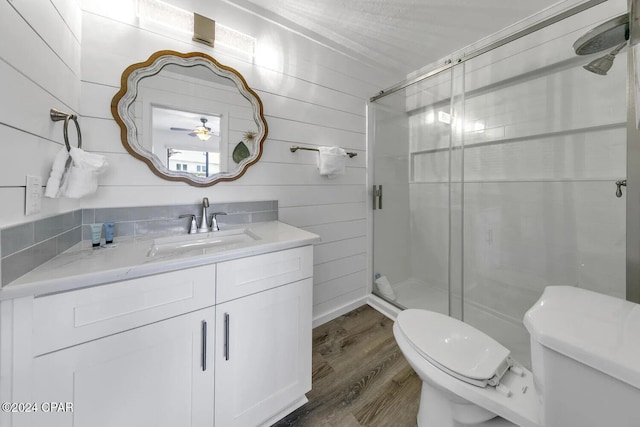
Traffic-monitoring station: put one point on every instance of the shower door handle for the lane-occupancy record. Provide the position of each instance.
(377, 197)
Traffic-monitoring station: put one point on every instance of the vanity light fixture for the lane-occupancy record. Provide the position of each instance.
(235, 40)
(204, 29)
(166, 15)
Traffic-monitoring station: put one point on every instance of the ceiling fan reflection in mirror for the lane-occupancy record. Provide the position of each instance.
(202, 132)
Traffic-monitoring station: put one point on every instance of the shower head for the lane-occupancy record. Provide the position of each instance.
(603, 64)
(604, 36)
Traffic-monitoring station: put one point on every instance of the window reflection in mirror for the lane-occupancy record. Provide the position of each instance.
(199, 163)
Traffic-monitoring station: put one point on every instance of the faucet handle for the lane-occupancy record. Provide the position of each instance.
(193, 228)
(214, 222)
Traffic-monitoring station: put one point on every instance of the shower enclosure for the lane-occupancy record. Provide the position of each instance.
(498, 178)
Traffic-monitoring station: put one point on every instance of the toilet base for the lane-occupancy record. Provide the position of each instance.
(449, 402)
(439, 408)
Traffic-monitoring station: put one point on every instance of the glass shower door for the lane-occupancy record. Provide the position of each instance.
(545, 142)
(412, 229)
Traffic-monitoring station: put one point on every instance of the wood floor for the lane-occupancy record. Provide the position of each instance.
(360, 377)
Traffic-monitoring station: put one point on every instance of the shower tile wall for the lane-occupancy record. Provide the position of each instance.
(544, 143)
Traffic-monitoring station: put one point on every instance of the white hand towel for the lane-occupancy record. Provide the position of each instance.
(57, 174)
(83, 174)
(332, 161)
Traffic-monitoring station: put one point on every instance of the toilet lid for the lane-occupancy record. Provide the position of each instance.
(455, 346)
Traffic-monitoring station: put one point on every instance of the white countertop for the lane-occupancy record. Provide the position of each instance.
(82, 266)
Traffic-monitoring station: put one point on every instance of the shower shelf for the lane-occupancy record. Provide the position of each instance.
(603, 127)
(506, 181)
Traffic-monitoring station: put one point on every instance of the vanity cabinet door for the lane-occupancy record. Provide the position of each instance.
(156, 375)
(263, 355)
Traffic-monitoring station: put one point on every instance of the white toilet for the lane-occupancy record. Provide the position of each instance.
(585, 356)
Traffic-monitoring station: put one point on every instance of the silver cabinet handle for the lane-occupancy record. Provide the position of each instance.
(204, 345)
(226, 336)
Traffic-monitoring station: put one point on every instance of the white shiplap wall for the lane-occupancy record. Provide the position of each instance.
(39, 69)
(312, 96)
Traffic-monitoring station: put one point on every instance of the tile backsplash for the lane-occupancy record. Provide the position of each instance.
(26, 246)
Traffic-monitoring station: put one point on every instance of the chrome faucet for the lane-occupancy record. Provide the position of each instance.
(204, 225)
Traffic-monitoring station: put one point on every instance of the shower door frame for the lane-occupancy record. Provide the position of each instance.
(633, 162)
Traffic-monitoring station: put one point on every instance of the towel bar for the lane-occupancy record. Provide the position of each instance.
(57, 115)
(295, 148)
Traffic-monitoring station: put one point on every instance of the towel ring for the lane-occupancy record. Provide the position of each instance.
(57, 115)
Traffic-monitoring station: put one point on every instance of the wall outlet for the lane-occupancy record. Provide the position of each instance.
(33, 195)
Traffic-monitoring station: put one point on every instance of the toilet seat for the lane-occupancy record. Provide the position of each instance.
(455, 347)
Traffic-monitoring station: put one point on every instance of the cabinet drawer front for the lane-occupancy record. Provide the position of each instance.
(245, 276)
(74, 317)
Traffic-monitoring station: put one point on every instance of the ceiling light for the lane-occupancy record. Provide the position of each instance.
(202, 132)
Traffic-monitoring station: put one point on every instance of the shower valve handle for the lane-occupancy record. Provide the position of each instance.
(620, 184)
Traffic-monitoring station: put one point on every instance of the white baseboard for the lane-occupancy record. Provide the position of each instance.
(389, 310)
(295, 405)
(379, 304)
(326, 317)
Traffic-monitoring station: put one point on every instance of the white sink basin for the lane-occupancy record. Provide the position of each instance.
(207, 242)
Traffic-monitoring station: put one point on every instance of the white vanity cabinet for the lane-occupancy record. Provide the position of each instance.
(263, 340)
(156, 375)
(133, 353)
(225, 344)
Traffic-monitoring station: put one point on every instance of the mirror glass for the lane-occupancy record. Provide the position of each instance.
(190, 118)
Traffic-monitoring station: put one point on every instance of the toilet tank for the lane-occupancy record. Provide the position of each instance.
(585, 357)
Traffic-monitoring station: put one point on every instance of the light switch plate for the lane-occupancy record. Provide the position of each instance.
(33, 195)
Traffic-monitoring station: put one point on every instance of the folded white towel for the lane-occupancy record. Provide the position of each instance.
(56, 177)
(83, 174)
(332, 161)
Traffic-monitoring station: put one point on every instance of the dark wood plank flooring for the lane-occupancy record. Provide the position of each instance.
(360, 377)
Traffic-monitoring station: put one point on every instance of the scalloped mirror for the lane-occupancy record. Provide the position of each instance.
(189, 118)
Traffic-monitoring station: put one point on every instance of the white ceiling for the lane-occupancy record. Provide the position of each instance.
(400, 36)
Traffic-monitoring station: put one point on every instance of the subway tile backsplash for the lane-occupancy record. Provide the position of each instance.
(26, 246)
